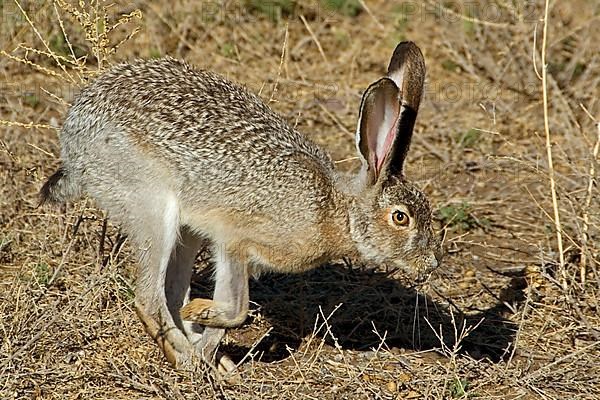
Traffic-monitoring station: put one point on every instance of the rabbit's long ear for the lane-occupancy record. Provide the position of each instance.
(407, 70)
(388, 114)
(377, 126)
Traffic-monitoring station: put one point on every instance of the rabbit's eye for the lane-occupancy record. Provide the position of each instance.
(400, 218)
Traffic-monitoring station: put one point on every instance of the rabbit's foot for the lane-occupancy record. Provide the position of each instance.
(202, 311)
(226, 369)
(178, 351)
(211, 313)
(226, 365)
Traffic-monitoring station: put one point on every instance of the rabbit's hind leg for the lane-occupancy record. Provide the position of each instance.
(179, 275)
(154, 226)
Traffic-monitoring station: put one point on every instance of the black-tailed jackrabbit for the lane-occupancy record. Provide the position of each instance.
(180, 156)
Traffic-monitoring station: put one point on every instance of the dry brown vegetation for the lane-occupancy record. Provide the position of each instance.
(502, 319)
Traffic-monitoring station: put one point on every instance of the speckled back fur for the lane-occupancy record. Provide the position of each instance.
(211, 131)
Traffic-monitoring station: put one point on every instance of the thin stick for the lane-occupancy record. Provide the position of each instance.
(588, 201)
(249, 353)
(30, 63)
(64, 32)
(100, 254)
(28, 125)
(557, 224)
(343, 160)
(281, 61)
(335, 120)
(315, 39)
(534, 51)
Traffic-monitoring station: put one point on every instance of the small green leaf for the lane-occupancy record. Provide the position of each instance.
(227, 50)
(42, 273)
(349, 8)
(458, 216)
(469, 138)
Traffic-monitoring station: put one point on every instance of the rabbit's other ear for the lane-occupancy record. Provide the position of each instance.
(407, 70)
(377, 126)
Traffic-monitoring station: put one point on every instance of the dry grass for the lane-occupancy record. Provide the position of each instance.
(496, 322)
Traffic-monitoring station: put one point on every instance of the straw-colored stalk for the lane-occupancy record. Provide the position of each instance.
(586, 207)
(557, 224)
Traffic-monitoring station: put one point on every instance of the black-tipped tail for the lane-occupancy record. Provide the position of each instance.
(57, 189)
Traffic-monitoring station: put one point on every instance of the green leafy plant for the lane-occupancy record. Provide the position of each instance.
(347, 7)
(31, 99)
(5, 241)
(469, 138)
(450, 65)
(458, 388)
(154, 53)
(125, 289)
(59, 45)
(227, 49)
(42, 273)
(458, 216)
(469, 28)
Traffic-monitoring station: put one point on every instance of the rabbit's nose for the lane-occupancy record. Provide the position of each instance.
(433, 261)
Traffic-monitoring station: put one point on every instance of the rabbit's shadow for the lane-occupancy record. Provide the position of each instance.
(373, 306)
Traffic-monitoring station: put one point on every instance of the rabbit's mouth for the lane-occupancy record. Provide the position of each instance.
(420, 270)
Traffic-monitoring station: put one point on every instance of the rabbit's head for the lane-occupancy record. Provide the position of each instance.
(390, 219)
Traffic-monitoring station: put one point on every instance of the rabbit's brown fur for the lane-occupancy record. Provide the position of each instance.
(178, 155)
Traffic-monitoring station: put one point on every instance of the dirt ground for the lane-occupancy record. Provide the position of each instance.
(505, 317)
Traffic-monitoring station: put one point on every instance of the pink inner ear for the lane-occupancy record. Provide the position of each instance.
(387, 145)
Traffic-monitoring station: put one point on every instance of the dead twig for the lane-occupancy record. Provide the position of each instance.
(315, 39)
(557, 224)
(588, 202)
